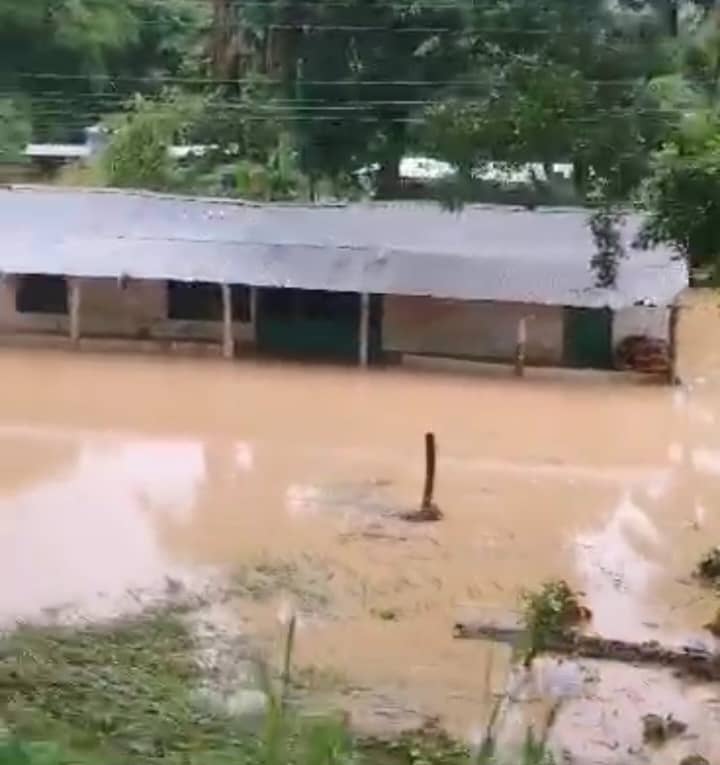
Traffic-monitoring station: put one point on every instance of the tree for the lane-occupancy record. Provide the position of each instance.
(559, 81)
(137, 154)
(682, 195)
(15, 130)
(355, 74)
(77, 59)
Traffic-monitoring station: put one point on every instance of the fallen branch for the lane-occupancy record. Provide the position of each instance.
(694, 662)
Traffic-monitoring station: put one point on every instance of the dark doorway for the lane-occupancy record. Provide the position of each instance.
(41, 294)
(202, 301)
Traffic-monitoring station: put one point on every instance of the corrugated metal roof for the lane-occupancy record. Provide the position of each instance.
(482, 253)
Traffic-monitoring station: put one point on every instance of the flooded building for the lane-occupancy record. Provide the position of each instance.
(359, 282)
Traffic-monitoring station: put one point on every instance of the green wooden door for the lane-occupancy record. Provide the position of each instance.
(588, 338)
(308, 323)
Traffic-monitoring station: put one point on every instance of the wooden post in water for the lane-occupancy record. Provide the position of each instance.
(228, 344)
(429, 488)
(364, 339)
(520, 347)
(672, 344)
(74, 309)
(253, 306)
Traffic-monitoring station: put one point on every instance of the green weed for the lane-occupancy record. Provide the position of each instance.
(547, 612)
(125, 693)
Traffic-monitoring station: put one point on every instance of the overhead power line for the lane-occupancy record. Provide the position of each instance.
(114, 79)
(365, 114)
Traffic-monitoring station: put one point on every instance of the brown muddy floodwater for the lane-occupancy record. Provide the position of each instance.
(117, 472)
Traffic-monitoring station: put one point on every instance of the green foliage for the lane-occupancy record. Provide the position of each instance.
(137, 154)
(278, 178)
(605, 225)
(16, 752)
(121, 692)
(15, 130)
(535, 751)
(548, 611)
(682, 195)
(356, 73)
(65, 56)
(558, 82)
(125, 692)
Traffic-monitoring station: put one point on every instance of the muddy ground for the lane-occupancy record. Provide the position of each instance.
(124, 479)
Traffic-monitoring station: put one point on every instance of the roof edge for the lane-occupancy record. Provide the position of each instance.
(143, 193)
(252, 203)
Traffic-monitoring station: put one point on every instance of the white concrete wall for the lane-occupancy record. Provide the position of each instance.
(641, 320)
(137, 311)
(424, 325)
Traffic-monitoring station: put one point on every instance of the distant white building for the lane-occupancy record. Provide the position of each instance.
(428, 169)
(56, 154)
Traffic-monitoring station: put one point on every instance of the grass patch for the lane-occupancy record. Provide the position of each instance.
(423, 748)
(121, 692)
(268, 578)
(125, 693)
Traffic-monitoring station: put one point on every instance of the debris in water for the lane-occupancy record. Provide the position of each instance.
(708, 568)
(694, 759)
(386, 614)
(714, 626)
(173, 586)
(689, 660)
(427, 514)
(657, 730)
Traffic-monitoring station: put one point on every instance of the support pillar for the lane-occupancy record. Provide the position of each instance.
(672, 345)
(520, 347)
(364, 341)
(253, 305)
(74, 296)
(228, 342)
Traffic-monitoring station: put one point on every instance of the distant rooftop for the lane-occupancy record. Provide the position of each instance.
(57, 150)
(412, 168)
(70, 151)
(482, 253)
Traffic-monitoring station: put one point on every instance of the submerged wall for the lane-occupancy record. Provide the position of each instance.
(481, 330)
(641, 320)
(136, 309)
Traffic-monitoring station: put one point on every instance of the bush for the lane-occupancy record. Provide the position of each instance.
(549, 611)
(15, 130)
(137, 154)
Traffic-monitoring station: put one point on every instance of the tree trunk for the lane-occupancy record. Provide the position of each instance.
(580, 176)
(672, 18)
(227, 44)
(388, 182)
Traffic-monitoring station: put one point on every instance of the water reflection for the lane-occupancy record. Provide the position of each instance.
(616, 575)
(86, 534)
